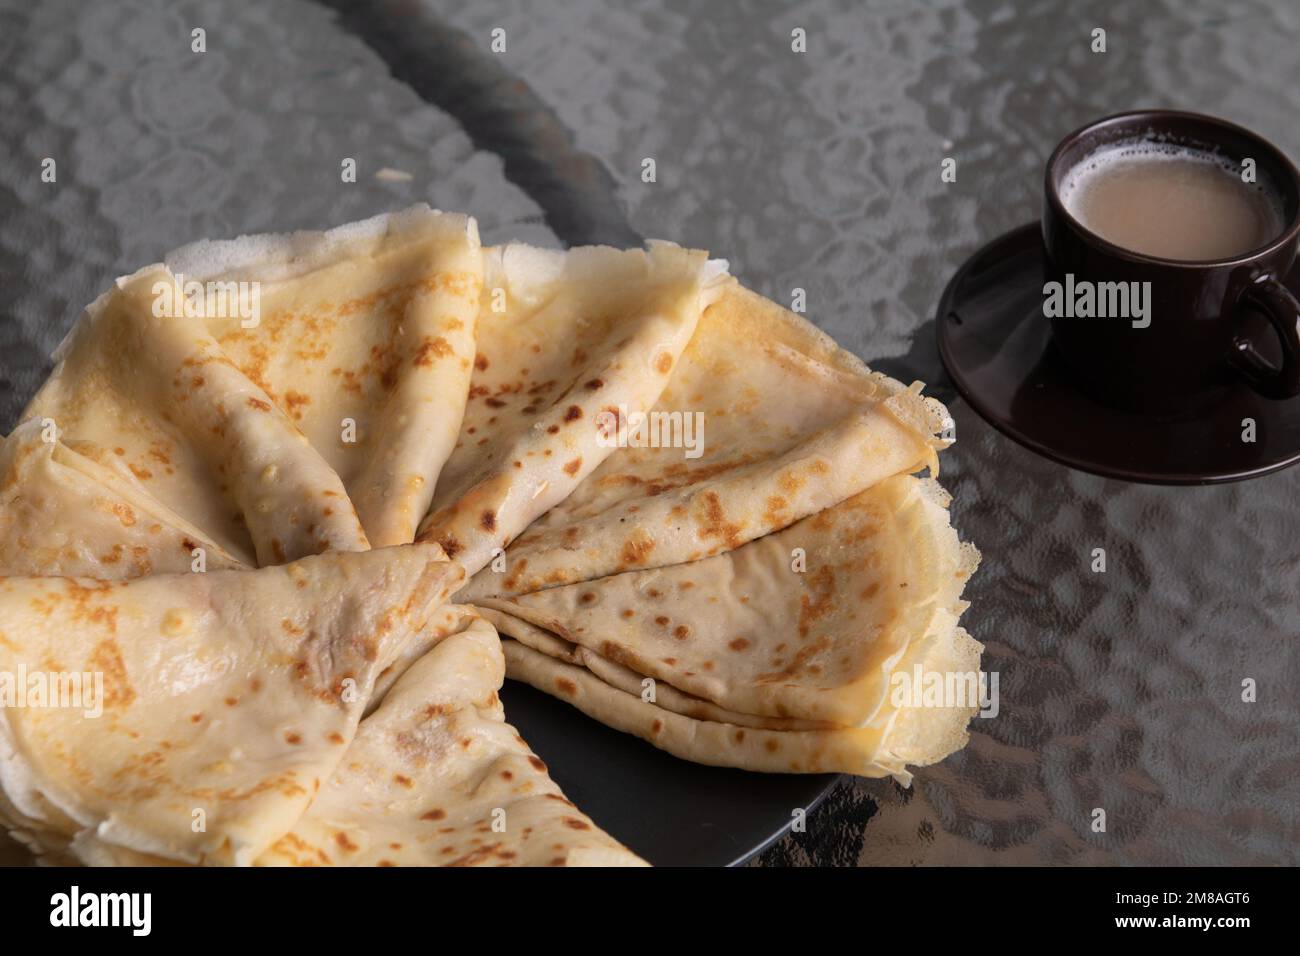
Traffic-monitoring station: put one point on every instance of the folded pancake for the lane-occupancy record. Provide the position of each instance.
(63, 514)
(562, 337)
(365, 339)
(207, 709)
(801, 631)
(896, 738)
(765, 421)
(144, 390)
(436, 777)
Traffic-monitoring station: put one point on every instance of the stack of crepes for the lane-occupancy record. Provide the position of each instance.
(301, 502)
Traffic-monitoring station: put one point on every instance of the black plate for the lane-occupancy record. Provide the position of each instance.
(997, 348)
(669, 811)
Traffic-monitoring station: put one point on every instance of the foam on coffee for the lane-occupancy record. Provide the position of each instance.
(1171, 201)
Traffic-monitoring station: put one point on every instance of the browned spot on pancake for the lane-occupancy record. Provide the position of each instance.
(681, 632)
(575, 824)
(870, 590)
(715, 525)
(811, 609)
(345, 843)
(775, 506)
(657, 726)
(278, 550)
(586, 597)
(144, 474)
(739, 644)
(628, 613)
(567, 686)
(537, 763)
(294, 403)
(488, 521)
(573, 466)
(739, 736)
(771, 745)
(495, 403)
(476, 856)
(553, 429)
(292, 738)
(481, 362)
(670, 661)
(661, 621)
(654, 592)
(636, 549)
(435, 814)
(431, 349)
(573, 413)
(823, 521)
(261, 406)
(403, 781)
(451, 546)
(106, 658)
(790, 483)
(593, 385)
(195, 718)
(664, 363)
(335, 737)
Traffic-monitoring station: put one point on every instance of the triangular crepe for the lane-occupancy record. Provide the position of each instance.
(63, 514)
(801, 630)
(365, 340)
(561, 337)
(436, 777)
(895, 739)
(227, 697)
(785, 424)
(143, 389)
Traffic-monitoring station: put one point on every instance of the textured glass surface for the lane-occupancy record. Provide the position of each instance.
(819, 171)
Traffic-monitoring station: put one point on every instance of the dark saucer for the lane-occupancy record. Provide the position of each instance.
(997, 347)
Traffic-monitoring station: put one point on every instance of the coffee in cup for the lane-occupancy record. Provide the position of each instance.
(1161, 256)
(1172, 202)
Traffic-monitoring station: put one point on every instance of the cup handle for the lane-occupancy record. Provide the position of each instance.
(1279, 306)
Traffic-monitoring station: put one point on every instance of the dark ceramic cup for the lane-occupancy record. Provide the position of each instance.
(1205, 330)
